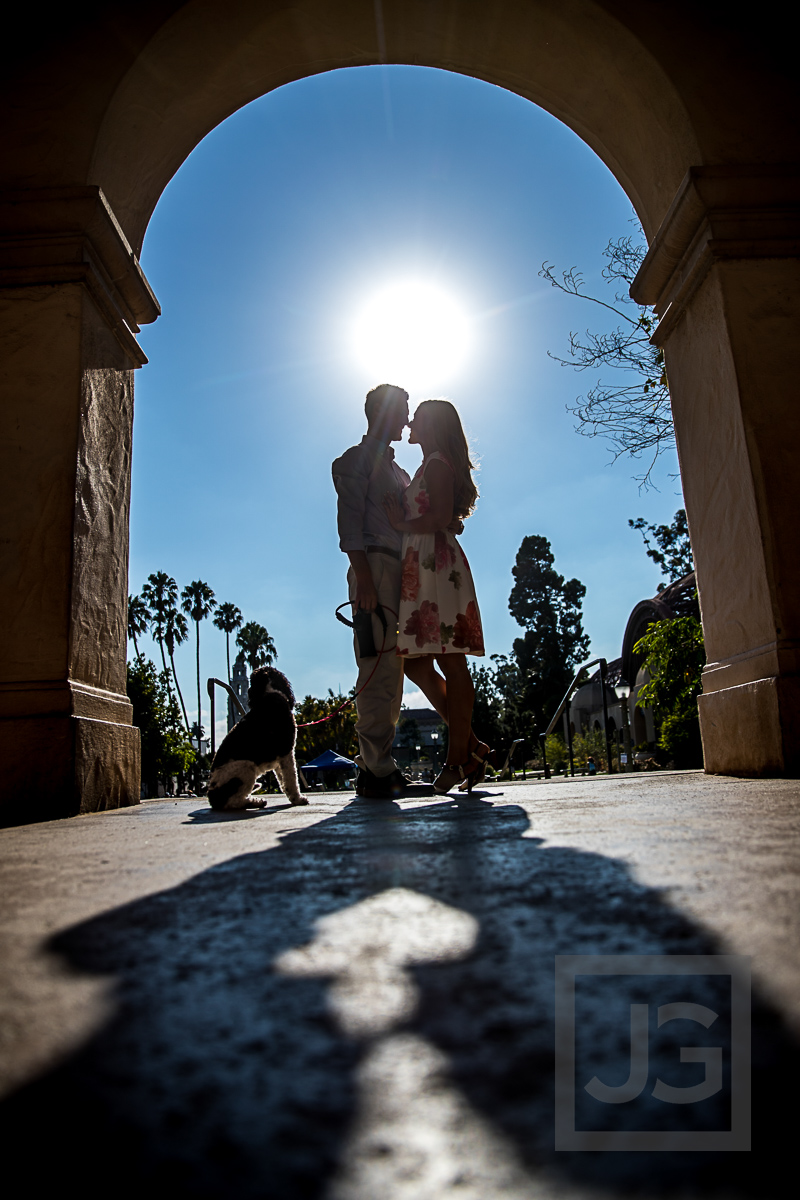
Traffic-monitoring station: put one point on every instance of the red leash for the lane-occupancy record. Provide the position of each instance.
(352, 700)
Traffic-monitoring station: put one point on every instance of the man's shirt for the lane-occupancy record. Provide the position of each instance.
(362, 477)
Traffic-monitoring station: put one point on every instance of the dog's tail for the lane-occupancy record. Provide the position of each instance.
(218, 797)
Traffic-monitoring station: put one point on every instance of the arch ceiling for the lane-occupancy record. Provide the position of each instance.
(574, 59)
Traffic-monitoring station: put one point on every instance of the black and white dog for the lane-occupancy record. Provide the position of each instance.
(262, 741)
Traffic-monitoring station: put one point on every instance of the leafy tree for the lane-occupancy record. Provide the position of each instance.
(166, 751)
(160, 594)
(488, 713)
(197, 599)
(550, 610)
(138, 619)
(556, 751)
(338, 734)
(634, 417)
(674, 657)
(228, 619)
(591, 742)
(408, 730)
(674, 550)
(258, 646)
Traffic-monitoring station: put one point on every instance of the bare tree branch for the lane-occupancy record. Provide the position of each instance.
(634, 418)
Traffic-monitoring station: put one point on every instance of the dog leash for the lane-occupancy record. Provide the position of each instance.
(351, 625)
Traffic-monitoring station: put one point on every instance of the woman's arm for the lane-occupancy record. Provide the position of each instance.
(439, 486)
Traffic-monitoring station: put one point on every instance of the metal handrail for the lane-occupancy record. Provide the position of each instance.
(211, 695)
(507, 764)
(601, 662)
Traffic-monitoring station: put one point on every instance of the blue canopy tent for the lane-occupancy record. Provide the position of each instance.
(329, 760)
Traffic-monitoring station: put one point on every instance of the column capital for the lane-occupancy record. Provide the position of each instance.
(51, 236)
(719, 213)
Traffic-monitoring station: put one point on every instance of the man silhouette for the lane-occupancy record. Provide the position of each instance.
(362, 477)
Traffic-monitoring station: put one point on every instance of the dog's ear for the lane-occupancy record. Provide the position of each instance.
(281, 684)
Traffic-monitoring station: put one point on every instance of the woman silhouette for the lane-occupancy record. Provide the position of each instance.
(439, 621)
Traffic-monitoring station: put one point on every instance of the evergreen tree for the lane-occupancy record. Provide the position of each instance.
(549, 608)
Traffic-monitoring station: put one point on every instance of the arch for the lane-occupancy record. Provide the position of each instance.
(692, 112)
(575, 59)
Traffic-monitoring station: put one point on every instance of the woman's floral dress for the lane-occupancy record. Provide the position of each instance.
(438, 607)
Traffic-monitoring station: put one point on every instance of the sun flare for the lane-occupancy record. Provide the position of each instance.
(413, 334)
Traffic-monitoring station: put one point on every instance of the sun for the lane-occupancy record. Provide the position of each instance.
(411, 333)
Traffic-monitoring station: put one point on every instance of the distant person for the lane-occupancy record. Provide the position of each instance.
(362, 477)
(439, 620)
(591, 765)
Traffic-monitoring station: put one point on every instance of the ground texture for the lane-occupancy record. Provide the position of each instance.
(355, 1000)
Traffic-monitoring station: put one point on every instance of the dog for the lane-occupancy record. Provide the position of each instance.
(262, 741)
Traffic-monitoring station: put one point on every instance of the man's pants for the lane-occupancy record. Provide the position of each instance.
(378, 706)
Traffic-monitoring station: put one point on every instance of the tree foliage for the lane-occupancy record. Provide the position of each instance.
(166, 750)
(489, 710)
(674, 657)
(138, 619)
(516, 697)
(337, 734)
(197, 599)
(228, 620)
(549, 607)
(630, 409)
(259, 648)
(673, 549)
(160, 595)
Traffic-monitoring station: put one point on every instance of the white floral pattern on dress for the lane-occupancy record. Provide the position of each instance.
(438, 607)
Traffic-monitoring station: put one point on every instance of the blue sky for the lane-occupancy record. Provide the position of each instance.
(263, 249)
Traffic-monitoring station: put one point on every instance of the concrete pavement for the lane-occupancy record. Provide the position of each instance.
(355, 1000)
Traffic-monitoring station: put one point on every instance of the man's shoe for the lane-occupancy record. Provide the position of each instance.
(380, 787)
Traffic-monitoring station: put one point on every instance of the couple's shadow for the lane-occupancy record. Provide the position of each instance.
(218, 1075)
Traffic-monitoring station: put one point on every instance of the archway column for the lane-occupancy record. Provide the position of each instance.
(722, 272)
(71, 298)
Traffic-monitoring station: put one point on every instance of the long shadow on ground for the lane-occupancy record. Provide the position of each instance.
(219, 1076)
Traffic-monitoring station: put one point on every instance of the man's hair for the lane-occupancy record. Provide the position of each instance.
(382, 399)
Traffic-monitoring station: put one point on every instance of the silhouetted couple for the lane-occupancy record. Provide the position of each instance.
(400, 537)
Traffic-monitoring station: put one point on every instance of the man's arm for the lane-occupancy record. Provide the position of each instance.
(366, 593)
(351, 483)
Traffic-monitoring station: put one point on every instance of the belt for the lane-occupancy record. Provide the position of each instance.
(383, 550)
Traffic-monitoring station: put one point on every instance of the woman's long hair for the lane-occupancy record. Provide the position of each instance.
(451, 441)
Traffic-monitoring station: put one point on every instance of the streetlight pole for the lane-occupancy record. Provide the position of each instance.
(623, 690)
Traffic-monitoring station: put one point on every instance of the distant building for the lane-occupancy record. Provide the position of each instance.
(421, 727)
(240, 682)
(678, 599)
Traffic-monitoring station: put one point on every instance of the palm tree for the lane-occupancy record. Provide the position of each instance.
(160, 594)
(138, 619)
(258, 646)
(197, 599)
(228, 619)
(176, 632)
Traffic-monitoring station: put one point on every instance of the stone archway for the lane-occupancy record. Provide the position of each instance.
(692, 116)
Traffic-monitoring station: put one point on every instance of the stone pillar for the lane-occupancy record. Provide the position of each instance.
(722, 273)
(71, 297)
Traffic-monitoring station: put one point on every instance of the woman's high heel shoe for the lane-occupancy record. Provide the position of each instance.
(451, 774)
(488, 756)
